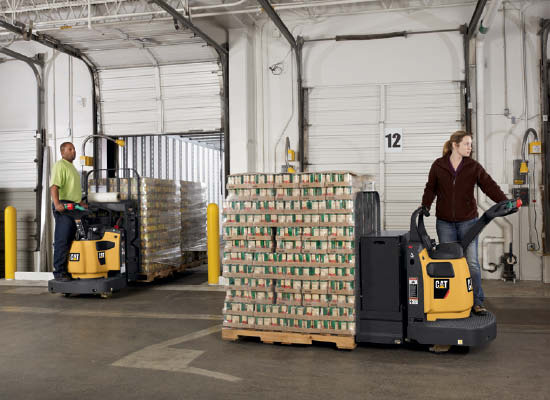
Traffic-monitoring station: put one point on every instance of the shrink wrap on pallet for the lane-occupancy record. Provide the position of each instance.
(193, 216)
(160, 215)
(308, 277)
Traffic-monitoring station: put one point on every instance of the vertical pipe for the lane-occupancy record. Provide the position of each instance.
(40, 142)
(301, 141)
(467, 106)
(545, 125)
(159, 157)
(226, 144)
(151, 156)
(166, 157)
(213, 231)
(382, 155)
(10, 241)
(71, 100)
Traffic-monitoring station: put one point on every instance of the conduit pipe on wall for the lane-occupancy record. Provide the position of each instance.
(503, 223)
(485, 250)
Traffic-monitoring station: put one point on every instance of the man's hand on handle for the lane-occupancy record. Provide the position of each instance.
(59, 207)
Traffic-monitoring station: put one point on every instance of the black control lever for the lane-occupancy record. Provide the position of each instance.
(418, 231)
(501, 209)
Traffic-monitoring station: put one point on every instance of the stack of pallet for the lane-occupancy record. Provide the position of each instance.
(289, 258)
(160, 227)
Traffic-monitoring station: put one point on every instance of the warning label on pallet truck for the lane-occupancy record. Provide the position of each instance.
(413, 290)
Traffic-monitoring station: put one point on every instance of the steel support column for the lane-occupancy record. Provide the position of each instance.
(545, 125)
(468, 31)
(466, 94)
(301, 133)
(224, 58)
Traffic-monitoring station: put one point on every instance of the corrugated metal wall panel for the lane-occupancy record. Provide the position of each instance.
(174, 158)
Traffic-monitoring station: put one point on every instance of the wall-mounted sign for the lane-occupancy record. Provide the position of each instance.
(393, 139)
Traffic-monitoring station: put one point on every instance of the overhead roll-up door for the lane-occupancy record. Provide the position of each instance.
(347, 125)
(168, 99)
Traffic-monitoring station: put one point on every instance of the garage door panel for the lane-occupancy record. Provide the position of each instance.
(128, 96)
(339, 104)
(187, 97)
(348, 91)
(191, 125)
(134, 106)
(342, 118)
(192, 102)
(427, 113)
(124, 129)
(122, 117)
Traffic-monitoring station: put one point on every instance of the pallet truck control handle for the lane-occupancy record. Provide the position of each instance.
(501, 209)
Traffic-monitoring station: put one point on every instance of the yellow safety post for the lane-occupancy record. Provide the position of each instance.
(213, 231)
(10, 240)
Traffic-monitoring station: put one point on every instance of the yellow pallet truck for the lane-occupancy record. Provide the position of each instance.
(412, 290)
(105, 254)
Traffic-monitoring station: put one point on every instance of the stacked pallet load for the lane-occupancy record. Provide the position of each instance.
(289, 260)
(160, 220)
(193, 222)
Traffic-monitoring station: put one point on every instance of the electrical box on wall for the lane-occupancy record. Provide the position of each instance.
(522, 193)
(535, 148)
(520, 177)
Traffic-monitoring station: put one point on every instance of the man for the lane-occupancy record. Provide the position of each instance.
(64, 188)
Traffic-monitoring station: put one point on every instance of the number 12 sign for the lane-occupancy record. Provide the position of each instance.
(393, 140)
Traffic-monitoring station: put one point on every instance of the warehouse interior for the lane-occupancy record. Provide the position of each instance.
(190, 101)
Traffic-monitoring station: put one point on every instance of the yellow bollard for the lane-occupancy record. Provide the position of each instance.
(10, 240)
(213, 231)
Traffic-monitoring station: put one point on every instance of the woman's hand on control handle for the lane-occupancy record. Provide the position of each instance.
(60, 207)
(425, 211)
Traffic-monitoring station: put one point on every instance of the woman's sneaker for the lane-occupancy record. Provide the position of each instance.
(479, 310)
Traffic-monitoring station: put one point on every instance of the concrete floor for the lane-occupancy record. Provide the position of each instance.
(162, 341)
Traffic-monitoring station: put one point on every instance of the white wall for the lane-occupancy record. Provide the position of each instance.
(417, 58)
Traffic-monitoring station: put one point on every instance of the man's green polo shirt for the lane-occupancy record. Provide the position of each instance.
(66, 178)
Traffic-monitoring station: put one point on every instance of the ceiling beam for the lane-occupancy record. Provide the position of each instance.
(188, 24)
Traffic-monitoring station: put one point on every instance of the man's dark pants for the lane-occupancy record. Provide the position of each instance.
(65, 230)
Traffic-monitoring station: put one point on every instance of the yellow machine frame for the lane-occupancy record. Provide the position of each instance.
(86, 261)
(460, 297)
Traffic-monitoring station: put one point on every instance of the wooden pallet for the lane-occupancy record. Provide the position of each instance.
(342, 342)
(166, 272)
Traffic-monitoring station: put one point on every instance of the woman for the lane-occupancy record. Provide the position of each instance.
(452, 180)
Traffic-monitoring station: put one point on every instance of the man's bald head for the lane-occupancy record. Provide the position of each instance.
(68, 151)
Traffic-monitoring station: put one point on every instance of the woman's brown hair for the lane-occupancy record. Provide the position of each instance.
(455, 138)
